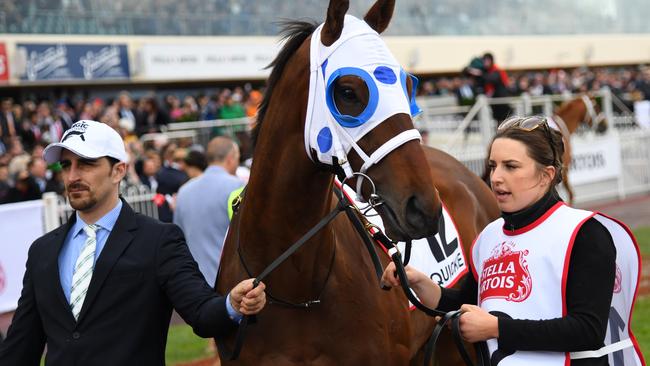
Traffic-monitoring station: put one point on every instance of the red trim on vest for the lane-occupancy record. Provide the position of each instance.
(636, 290)
(565, 273)
(567, 259)
(535, 223)
(471, 256)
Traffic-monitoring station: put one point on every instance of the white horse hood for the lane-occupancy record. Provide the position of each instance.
(360, 52)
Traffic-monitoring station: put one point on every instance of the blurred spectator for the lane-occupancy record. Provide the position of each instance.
(152, 118)
(195, 163)
(173, 105)
(55, 184)
(207, 108)
(126, 109)
(493, 81)
(149, 170)
(464, 91)
(253, 103)
(170, 178)
(202, 205)
(65, 113)
(232, 107)
(24, 189)
(4, 181)
(52, 129)
(19, 157)
(9, 125)
(37, 168)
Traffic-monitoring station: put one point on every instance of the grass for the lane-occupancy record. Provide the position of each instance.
(641, 324)
(184, 346)
(642, 235)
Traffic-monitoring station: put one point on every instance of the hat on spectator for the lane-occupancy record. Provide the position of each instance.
(90, 140)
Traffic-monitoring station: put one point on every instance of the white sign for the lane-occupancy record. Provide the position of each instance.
(642, 113)
(189, 61)
(441, 256)
(22, 224)
(594, 158)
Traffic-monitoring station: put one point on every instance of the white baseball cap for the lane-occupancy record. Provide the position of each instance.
(90, 140)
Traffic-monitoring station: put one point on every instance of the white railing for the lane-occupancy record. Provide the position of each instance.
(58, 210)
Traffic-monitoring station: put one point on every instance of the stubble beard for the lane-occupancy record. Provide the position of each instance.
(82, 204)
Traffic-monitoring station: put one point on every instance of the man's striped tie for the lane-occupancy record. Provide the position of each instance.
(83, 271)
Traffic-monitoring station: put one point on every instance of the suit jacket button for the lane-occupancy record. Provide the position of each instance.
(76, 335)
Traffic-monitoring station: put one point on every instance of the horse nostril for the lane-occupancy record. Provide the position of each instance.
(416, 216)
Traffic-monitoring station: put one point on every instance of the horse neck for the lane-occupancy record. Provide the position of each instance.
(286, 195)
(572, 117)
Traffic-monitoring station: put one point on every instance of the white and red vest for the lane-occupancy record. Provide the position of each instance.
(523, 273)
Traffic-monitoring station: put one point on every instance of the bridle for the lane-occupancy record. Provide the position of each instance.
(591, 117)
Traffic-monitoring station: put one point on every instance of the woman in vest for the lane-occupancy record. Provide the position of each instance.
(551, 285)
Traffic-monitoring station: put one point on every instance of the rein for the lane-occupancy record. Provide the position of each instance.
(481, 349)
(343, 205)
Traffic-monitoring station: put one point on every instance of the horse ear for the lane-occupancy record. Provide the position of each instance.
(380, 14)
(334, 22)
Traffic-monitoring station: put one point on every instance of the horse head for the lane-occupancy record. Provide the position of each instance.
(359, 119)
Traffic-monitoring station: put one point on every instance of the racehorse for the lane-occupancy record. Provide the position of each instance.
(568, 117)
(325, 305)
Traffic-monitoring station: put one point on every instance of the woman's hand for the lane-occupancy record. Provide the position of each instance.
(427, 291)
(477, 324)
(390, 278)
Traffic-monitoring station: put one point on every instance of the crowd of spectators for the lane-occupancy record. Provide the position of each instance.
(629, 83)
(27, 126)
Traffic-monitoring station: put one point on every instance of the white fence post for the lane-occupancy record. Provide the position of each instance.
(51, 211)
(485, 120)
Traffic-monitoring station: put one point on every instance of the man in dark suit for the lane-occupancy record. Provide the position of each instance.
(170, 178)
(100, 289)
(10, 126)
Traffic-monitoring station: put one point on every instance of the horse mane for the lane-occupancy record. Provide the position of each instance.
(294, 32)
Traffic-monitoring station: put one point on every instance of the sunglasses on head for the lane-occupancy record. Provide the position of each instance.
(529, 124)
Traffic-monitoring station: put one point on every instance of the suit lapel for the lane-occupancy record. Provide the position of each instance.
(118, 240)
(53, 269)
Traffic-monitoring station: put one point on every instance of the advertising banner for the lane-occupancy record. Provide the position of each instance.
(178, 61)
(50, 61)
(25, 225)
(4, 63)
(594, 158)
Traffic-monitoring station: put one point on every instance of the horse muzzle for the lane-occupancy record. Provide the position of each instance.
(412, 220)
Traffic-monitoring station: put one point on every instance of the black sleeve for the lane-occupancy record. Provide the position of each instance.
(26, 337)
(493, 77)
(186, 288)
(590, 282)
(452, 298)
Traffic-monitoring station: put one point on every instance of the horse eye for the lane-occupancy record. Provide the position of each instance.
(347, 94)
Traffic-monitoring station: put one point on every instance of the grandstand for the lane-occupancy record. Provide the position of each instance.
(243, 17)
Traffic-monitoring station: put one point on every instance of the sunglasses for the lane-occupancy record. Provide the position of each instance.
(529, 124)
